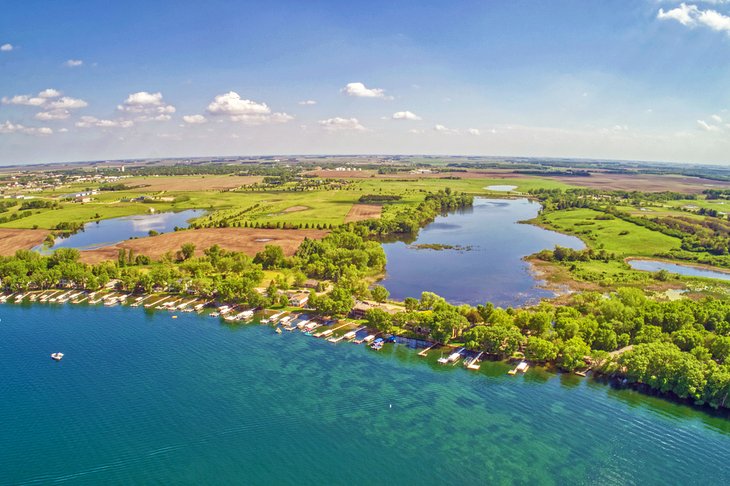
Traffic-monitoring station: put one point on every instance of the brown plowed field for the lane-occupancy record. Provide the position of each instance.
(190, 183)
(247, 240)
(359, 212)
(12, 239)
(644, 182)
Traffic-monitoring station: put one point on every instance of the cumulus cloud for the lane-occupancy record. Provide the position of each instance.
(194, 119)
(93, 122)
(243, 110)
(703, 125)
(66, 103)
(405, 115)
(338, 124)
(73, 63)
(307, 102)
(7, 47)
(693, 16)
(360, 91)
(52, 115)
(474, 131)
(27, 100)
(717, 118)
(9, 127)
(49, 93)
(147, 107)
(54, 106)
(443, 129)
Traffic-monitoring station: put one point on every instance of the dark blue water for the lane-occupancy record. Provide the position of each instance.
(144, 399)
(492, 270)
(110, 231)
(687, 270)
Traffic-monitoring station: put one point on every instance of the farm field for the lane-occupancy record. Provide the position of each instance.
(12, 240)
(246, 240)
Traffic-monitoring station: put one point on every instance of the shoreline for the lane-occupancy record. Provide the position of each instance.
(347, 327)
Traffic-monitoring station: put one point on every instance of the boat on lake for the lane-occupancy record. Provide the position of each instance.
(57, 356)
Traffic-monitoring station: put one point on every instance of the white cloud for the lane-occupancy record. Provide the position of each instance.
(405, 115)
(443, 129)
(307, 102)
(142, 98)
(147, 106)
(702, 124)
(9, 127)
(49, 93)
(194, 119)
(337, 124)
(54, 106)
(243, 110)
(52, 115)
(91, 122)
(416, 131)
(359, 90)
(474, 131)
(26, 100)
(73, 63)
(717, 118)
(693, 16)
(6, 47)
(67, 103)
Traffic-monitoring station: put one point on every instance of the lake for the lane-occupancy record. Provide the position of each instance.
(110, 231)
(486, 263)
(141, 398)
(686, 270)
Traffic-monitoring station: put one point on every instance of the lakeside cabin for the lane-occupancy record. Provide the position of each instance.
(299, 299)
(361, 307)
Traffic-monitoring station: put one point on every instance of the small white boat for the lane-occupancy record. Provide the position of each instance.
(278, 330)
(57, 356)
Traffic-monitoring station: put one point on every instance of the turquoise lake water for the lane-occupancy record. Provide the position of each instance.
(141, 398)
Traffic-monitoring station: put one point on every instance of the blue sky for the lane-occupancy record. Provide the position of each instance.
(643, 80)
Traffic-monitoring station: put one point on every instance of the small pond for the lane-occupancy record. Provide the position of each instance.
(501, 188)
(686, 270)
(110, 231)
(475, 255)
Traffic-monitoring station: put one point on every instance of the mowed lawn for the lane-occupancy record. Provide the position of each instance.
(614, 235)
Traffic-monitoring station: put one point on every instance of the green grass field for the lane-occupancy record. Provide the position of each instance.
(316, 207)
(615, 235)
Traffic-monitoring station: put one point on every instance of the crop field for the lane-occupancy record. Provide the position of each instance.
(12, 240)
(190, 183)
(360, 212)
(246, 240)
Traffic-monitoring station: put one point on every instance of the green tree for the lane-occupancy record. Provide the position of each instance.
(540, 350)
(187, 251)
(380, 293)
(573, 352)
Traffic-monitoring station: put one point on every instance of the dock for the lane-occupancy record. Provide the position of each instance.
(473, 364)
(328, 332)
(424, 352)
(522, 367)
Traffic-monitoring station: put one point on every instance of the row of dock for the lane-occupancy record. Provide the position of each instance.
(283, 320)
